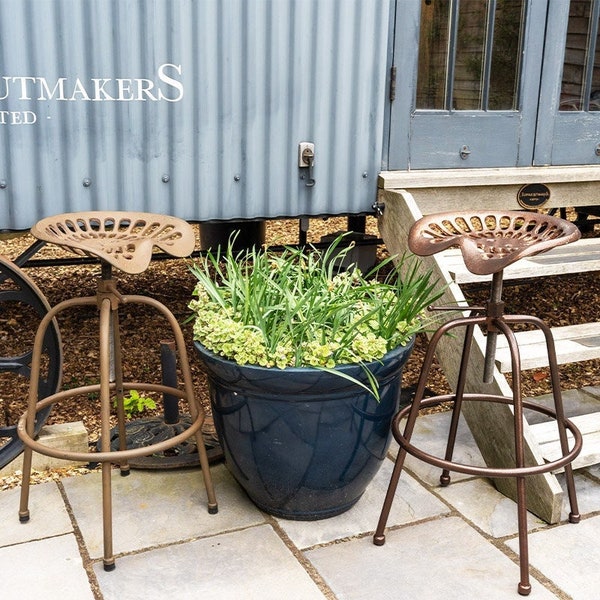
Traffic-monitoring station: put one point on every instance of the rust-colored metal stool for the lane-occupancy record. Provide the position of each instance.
(123, 240)
(489, 242)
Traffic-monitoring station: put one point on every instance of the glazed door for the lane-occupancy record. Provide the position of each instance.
(494, 83)
(473, 92)
(569, 114)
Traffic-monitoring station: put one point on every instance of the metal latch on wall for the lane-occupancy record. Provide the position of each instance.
(306, 160)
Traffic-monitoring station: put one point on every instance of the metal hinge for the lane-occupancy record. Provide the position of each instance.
(392, 83)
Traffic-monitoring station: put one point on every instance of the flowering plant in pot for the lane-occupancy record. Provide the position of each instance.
(304, 365)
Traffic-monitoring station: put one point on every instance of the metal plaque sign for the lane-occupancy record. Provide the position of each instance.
(533, 195)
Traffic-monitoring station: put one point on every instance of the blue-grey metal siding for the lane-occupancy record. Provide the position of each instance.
(193, 108)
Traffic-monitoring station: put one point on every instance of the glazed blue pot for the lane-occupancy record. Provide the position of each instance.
(302, 442)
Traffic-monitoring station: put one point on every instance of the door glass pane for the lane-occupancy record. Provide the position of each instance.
(580, 88)
(433, 52)
(469, 54)
(506, 53)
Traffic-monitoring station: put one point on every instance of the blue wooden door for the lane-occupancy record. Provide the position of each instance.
(569, 108)
(487, 83)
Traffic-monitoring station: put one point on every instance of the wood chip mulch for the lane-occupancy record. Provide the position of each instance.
(560, 300)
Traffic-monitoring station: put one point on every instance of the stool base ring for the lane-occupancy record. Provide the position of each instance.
(486, 471)
(145, 431)
(115, 456)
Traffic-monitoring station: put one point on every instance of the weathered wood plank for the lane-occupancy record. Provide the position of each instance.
(442, 178)
(503, 197)
(490, 424)
(546, 435)
(494, 189)
(573, 343)
(581, 256)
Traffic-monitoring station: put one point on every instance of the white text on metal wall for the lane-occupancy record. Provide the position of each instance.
(166, 86)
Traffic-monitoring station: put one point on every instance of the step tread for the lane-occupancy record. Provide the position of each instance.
(546, 435)
(574, 343)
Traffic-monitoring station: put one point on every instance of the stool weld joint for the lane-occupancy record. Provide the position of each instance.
(107, 290)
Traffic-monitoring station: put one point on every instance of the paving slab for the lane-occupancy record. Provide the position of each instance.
(430, 435)
(152, 508)
(595, 471)
(454, 542)
(51, 569)
(569, 555)
(495, 514)
(48, 515)
(444, 559)
(253, 564)
(588, 493)
(577, 402)
(412, 503)
(480, 502)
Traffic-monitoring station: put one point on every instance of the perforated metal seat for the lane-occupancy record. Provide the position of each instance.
(489, 242)
(126, 241)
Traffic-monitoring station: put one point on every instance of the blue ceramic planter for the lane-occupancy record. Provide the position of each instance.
(302, 442)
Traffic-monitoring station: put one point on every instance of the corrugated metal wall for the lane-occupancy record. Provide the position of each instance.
(193, 108)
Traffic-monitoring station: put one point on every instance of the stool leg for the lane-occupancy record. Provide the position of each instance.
(379, 536)
(105, 321)
(574, 516)
(25, 481)
(34, 380)
(460, 390)
(26, 477)
(524, 586)
(195, 410)
(108, 557)
(27, 451)
(119, 391)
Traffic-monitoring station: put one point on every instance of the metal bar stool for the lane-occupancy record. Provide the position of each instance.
(124, 240)
(489, 241)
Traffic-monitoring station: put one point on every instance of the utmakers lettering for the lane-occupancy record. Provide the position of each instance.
(166, 86)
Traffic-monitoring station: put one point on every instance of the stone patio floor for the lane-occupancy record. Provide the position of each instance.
(446, 543)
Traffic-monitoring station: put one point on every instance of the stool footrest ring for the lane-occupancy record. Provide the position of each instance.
(115, 455)
(480, 470)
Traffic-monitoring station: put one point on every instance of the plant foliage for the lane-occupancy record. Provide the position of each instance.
(135, 403)
(295, 308)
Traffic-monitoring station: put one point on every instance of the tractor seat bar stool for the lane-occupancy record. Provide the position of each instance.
(124, 240)
(489, 242)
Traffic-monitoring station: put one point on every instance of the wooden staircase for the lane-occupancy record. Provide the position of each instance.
(399, 210)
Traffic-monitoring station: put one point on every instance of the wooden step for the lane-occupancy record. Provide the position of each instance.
(546, 435)
(402, 209)
(573, 343)
(578, 257)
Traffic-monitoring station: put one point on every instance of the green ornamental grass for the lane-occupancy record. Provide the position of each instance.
(295, 308)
